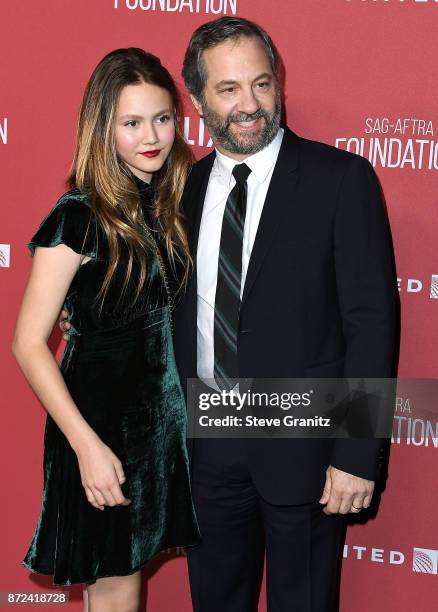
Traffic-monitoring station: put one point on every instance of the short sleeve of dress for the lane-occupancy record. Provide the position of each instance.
(70, 222)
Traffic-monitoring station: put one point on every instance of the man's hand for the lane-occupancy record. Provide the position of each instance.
(345, 493)
(64, 325)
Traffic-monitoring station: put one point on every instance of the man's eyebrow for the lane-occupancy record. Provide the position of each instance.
(264, 75)
(225, 83)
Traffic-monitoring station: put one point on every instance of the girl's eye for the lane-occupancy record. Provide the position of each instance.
(131, 123)
(163, 119)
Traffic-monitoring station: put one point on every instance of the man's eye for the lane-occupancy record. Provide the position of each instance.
(263, 85)
(228, 90)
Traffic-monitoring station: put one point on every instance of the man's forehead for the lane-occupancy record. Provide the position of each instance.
(246, 54)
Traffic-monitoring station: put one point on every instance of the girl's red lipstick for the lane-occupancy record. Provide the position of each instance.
(153, 153)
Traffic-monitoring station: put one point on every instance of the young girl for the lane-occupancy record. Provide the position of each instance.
(116, 482)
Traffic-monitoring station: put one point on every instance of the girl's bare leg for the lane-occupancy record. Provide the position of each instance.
(114, 594)
(85, 599)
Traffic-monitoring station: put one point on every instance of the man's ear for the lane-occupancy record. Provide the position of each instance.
(197, 105)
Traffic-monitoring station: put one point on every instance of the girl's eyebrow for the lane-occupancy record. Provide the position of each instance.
(134, 116)
(131, 116)
(164, 112)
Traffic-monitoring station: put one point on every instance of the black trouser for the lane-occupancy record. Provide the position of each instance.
(303, 545)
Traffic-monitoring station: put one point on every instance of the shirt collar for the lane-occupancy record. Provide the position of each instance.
(260, 163)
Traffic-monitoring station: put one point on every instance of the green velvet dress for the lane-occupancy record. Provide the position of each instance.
(120, 370)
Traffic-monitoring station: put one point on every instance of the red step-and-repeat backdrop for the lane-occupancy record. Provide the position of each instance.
(361, 75)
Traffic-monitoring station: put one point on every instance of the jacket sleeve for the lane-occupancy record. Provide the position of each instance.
(367, 293)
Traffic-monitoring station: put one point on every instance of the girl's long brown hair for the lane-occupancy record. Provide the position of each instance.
(98, 171)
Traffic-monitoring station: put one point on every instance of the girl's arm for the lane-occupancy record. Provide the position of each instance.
(52, 272)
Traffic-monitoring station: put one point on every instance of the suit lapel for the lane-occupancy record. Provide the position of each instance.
(283, 181)
(197, 195)
(194, 197)
(280, 192)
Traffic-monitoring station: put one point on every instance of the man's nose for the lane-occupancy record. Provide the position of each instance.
(248, 102)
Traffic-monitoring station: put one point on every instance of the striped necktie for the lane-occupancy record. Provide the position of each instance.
(229, 278)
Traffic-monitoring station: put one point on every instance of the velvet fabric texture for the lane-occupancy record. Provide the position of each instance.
(120, 370)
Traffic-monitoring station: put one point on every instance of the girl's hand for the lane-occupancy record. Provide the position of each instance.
(101, 475)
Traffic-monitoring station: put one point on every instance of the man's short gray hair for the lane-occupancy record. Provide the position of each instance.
(213, 33)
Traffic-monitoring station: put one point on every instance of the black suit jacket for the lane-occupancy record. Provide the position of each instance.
(319, 301)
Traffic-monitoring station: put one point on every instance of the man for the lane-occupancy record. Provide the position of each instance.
(293, 278)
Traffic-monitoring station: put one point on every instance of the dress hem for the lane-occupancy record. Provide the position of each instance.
(95, 577)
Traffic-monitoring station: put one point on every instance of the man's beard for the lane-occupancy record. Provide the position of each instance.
(242, 144)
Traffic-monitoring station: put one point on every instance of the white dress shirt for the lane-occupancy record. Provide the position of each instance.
(220, 184)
